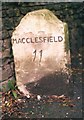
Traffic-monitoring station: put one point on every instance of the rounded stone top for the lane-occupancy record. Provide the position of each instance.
(39, 20)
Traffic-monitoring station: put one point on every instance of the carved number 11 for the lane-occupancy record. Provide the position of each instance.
(35, 55)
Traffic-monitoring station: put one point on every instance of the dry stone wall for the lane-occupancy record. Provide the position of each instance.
(71, 13)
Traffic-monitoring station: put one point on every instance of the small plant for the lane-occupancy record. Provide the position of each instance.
(11, 86)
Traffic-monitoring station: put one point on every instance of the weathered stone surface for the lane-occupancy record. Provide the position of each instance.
(6, 53)
(0, 55)
(0, 35)
(40, 47)
(6, 72)
(8, 23)
(13, 12)
(6, 43)
(0, 74)
(5, 34)
(1, 43)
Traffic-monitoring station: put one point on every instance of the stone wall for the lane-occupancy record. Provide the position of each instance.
(72, 13)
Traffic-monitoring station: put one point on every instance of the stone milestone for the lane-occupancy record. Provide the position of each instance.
(40, 47)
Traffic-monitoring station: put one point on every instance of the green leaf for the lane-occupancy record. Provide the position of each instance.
(11, 85)
(14, 94)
